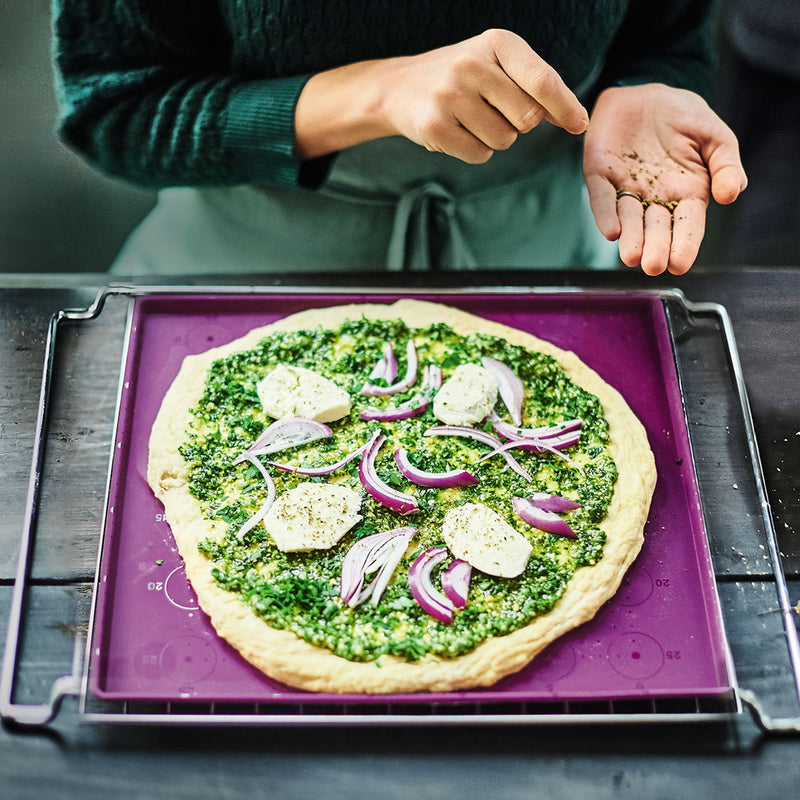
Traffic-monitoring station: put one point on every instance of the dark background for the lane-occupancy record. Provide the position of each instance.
(58, 214)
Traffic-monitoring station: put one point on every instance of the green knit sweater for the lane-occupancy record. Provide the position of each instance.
(202, 92)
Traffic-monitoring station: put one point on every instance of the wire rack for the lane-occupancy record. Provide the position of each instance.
(708, 365)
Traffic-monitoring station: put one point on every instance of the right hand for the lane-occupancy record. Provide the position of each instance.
(466, 100)
(472, 98)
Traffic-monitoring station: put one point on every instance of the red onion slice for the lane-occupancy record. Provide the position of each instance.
(539, 518)
(432, 380)
(411, 409)
(379, 491)
(439, 480)
(381, 552)
(553, 443)
(562, 440)
(455, 582)
(430, 599)
(552, 502)
(537, 445)
(386, 366)
(544, 432)
(285, 433)
(560, 428)
(319, 471)
(432, 377)
(390, 554)
(512, 392)
(483, 437)
(371, 390)
(265, 506)
(354, 565)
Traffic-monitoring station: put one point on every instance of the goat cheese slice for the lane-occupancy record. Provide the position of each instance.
(467, 396)
(299, 392)
(312, 516)
(476, 534)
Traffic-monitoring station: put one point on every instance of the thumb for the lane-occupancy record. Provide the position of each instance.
(728, 178)
(727, 183)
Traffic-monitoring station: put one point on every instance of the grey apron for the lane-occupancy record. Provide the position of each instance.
(387, 205)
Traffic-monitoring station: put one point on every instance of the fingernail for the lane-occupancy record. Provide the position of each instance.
(581, 127)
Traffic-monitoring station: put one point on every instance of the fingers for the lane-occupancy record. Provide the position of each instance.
(472, 98)
(658, 240)
(646, 235)
(539, 81)
(447, 135)
(688, 229)
(631, 237)
(488, 124)
(492, 130)
(603, 201)
(517, 107)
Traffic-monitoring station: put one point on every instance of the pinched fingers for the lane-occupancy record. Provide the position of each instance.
(521, 111)
(443, 134)
(500, 114)
(540, 82)
(473, 102)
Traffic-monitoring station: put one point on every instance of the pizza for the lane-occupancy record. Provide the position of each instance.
(391, 498)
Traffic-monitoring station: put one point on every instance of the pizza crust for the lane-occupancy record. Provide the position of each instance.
(287, 658)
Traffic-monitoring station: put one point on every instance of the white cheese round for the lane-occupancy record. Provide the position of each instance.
(299, 392)
(467, 396)
(312, 516)
(476, 534)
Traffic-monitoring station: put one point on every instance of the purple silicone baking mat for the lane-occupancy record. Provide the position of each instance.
(660, 636)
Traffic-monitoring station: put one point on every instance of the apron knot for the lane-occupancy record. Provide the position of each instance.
(426, 234)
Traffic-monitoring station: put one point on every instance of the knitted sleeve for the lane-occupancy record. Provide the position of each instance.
(145, 93)
(664, 42)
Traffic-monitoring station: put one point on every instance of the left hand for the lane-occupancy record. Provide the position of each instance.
(668, 147)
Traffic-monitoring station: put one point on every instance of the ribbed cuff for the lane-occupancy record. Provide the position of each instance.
(258, 130)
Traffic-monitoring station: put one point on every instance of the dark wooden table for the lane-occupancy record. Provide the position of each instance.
(732, 758)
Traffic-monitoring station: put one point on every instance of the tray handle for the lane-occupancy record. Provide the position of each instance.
(69, 684)
(767, 723)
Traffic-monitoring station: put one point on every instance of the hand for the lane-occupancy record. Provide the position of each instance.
(668, 147)
(475, 97)
(466, 100)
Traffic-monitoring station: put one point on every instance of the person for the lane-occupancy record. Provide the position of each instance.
(761, 100)
(411, 135)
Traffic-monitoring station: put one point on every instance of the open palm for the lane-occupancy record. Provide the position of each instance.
(653, 156)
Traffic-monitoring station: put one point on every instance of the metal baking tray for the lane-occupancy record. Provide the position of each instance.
(657, 650)
(660, 636)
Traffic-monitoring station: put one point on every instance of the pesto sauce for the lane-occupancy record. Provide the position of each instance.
(299, 591)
